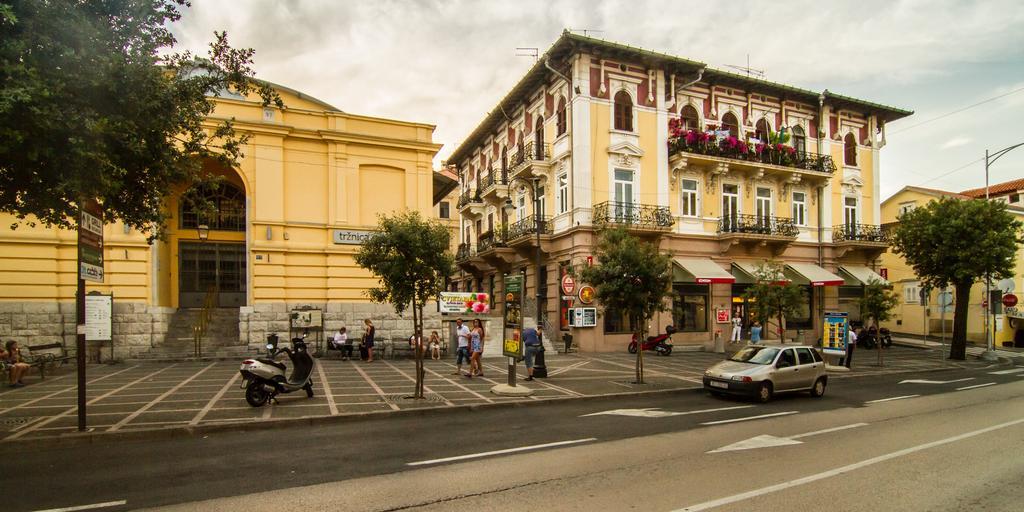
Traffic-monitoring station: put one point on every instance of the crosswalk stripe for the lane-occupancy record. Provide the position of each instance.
(1007, 372)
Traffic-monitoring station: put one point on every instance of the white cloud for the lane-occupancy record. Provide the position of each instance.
(957, 141)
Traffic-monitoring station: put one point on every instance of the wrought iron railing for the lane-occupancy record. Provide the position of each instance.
(528, 226)
(471, 196)
(632, 215)
(758, 225)
(493, 177)
(530, 152)
(774, 154)
(489, 240)
(464, 252)
(859, 233)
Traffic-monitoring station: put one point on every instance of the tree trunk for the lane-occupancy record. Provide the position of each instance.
(418, 392)
(641, 335)
(782, 328)
(958, 345)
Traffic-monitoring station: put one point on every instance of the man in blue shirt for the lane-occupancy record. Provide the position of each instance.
(531, 340)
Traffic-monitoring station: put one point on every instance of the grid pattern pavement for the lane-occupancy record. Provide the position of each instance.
(153, 396)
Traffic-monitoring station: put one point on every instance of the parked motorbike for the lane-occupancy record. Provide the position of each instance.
(263, 378)
(660, 344)
(874, 337)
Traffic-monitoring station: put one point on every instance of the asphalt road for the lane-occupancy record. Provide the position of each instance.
(374, 456)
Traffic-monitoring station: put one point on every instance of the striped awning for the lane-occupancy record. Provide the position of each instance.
(701, 271)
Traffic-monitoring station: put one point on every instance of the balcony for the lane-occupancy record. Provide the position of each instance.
(632, 216)
(489, 240)
(464, 253)
(494, 183)
(776, 233)
(492, 248)
(731, 149)
(470, 203)
(530, 160)
(868, 238)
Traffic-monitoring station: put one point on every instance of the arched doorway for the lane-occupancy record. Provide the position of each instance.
(211, 255)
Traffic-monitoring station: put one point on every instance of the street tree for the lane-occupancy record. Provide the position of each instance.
(631, 278)
(95, 107)
(772, 295)
(877, 304)
(957, 242)
(409, 256)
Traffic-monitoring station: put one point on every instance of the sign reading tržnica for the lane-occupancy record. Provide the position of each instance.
(351, 236)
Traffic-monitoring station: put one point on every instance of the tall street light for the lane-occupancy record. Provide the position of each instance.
(533, 186)
(990, 354)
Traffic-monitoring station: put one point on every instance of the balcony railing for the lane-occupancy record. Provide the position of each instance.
(859, 233)
(758, 225)
(489, 240)
(632, 215)
(472, 196)
(530, 152)
(493, 177)
(464, 252)
(774, 154)
(528, 226)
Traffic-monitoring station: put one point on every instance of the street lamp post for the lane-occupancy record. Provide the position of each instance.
(990, 353)
(533, 186)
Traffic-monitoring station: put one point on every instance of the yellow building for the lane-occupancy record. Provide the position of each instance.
(290, 217)
(920, 313)
(612, 135)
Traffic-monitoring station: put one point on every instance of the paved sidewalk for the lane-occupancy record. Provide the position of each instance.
(142, 396)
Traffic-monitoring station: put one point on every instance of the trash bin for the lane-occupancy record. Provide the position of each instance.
(567, 339)
(540, 371)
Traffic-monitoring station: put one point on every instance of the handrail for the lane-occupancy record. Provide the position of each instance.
(531, 151)
(528, 226)
(200, 327)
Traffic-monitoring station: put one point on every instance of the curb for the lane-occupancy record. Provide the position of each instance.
(87, 438)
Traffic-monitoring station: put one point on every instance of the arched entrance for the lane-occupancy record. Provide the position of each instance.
(211, 255)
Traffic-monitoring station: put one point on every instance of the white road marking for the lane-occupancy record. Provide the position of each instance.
(169, 392)
(748, 418)
(541, 382)
(891, 399)
(653, 412)
(213, 401)
(500, 452)
(844, 469)
(577, 365)
(87, 507)
(459, 385)
(766, 441)
(327, 388)
(924, 381)
(1007, 372)
(976, 386)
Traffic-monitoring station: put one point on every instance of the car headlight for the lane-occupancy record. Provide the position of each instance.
(707, 373)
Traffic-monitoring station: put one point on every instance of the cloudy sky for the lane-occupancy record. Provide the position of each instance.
(449, 62)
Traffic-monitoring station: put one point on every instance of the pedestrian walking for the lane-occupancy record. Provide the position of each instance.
(737, 327)
(462, 352)
(851, 344)
(532, 343)
(476, 349)
(755, 332)
(368, 337)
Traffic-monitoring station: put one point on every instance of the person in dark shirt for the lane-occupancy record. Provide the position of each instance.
(531, 340)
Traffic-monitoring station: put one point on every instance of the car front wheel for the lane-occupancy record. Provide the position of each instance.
(764, 393)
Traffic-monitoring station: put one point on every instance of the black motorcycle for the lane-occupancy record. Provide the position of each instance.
(873, 337)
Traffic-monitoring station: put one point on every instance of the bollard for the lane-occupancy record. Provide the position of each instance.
(540, 371)
(719, 342)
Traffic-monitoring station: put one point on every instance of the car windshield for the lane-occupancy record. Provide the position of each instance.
(755, 355)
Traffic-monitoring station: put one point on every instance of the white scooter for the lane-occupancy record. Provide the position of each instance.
(263, 377)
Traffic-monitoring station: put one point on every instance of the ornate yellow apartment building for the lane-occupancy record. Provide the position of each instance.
(290, 217)
(612, 135)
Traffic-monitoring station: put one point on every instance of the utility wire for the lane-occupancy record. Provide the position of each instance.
(957, 111)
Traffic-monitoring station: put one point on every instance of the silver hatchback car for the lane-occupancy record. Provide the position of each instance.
(763, 370)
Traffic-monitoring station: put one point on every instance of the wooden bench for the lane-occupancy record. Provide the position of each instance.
(406, 350)
(49, 355)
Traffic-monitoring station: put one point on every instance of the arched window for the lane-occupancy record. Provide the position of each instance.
(850, 145)
(691, 121)
(623, 111)
(560, 117)
(730, 124)
(761, 130)
(799, 140)
(219, 206)
(538, 139)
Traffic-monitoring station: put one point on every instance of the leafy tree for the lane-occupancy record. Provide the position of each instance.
(409, 255)
(631, 277)
(878, 302)
(955, 242)
(774, 296)
(93, 109)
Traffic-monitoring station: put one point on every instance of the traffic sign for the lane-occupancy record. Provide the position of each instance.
(1006, 285)
(90, 242)
(945, 298)
(1009, 300)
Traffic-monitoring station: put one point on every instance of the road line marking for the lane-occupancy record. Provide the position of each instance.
(169, 392)
(460, 386)
(209, 405)
(375, 387)
(827, 430)
(1007, 372)
(652, 372)
(654, 412)
(426, 388)
(327, 388)
(627, 386)
(64, 390)
(564, 391)
(74, 408)
(926, 381)
(575, 366)
(87, 507)
(844, 469)
(748, 418)
(492, 381)
(500, 452)
(891, 399)
(976, 386)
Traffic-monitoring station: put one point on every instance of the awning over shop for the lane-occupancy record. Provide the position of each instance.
(700, 270)
(860, 275)
(809, 273)
(746, 272)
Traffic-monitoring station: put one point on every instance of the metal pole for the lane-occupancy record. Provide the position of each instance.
(80, 347)
(988, 299)
(537, 214)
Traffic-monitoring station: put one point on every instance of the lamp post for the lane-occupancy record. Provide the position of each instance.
(990, 353)
(533, 186)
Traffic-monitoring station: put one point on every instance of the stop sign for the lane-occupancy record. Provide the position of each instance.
(1009, 300)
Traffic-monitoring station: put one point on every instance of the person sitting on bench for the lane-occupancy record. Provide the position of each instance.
(341, 343)
(17, 368)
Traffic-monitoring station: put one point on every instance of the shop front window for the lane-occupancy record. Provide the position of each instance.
(618, 323)
(690, 311)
